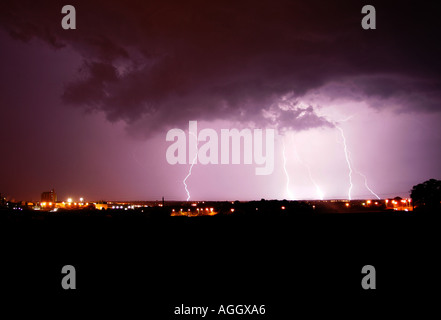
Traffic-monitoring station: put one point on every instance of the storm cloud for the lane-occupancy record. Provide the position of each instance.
(158, 64)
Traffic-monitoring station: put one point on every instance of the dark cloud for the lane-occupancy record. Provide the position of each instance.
(158, 64)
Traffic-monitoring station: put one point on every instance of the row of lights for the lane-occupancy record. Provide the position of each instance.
(122, 207)
(201, 209)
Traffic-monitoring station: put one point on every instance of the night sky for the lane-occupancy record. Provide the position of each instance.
(86, 111)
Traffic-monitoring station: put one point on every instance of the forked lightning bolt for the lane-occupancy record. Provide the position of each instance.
(349, 160)
(365, 180)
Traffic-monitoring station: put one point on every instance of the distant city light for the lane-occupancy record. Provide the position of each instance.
(69, 200)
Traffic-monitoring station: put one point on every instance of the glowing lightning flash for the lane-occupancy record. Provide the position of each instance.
(320, 193)
(347, 160)
(317, 188)
(191, 167)
(288, 191)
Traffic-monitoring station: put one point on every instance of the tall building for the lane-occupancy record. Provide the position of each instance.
(49, 196)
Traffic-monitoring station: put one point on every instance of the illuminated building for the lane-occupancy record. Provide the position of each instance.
(49, 196)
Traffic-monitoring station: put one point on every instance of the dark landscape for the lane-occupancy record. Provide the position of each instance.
(292, 262)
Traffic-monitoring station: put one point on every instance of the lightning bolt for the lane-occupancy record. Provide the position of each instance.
(365, 180)
(320, 193)
(288, 191)
(347, 160)
(191, 167)
(317, 188)
(351, 169)
(366, 185)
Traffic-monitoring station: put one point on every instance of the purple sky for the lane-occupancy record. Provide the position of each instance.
(86, 111)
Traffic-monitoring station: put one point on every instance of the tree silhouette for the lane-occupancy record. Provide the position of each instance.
(427, 195)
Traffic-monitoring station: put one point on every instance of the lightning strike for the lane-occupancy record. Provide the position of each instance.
(191, 167)
(347, 160)
(320, 193)
(288, 191)
(317, 188)
(366, 185)
(365, 179)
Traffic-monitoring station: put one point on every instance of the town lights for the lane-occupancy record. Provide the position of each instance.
(81, 199)
(69, 200)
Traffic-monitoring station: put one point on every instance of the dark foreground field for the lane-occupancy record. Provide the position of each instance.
(145, 266)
